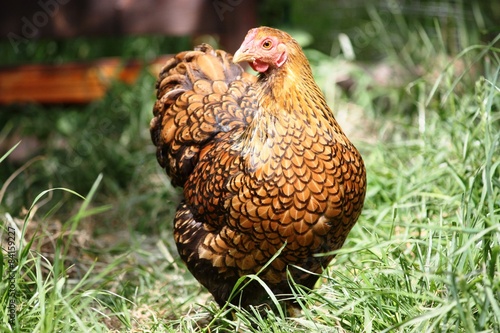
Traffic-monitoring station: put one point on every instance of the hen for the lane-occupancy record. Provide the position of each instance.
(263, 163)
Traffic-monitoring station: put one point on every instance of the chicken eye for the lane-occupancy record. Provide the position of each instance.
(267, 44)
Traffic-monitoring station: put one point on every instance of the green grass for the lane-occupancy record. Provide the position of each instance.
(92, 211)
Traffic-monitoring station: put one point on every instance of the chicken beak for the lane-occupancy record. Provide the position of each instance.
(242, 55)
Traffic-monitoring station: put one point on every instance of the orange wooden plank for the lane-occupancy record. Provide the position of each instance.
(68, 83)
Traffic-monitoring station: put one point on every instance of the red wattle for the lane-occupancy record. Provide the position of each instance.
(259, 66)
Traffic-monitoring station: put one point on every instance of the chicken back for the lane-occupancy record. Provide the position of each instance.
(264, 166)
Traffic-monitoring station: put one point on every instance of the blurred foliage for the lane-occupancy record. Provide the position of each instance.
(376, 26)
(89, 48)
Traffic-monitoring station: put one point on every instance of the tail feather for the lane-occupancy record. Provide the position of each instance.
(194, 92)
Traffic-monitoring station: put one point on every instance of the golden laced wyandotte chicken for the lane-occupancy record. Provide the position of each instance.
(263, 164)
